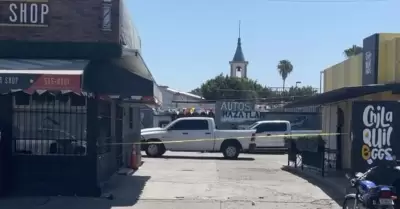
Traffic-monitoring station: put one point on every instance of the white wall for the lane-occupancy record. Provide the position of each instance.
(242, 65)
(329, 123)
(329, 126)
(172, 95)
(130, 134)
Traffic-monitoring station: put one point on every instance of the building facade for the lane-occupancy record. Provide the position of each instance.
(370, 77)
(174, 99)
(85, 69)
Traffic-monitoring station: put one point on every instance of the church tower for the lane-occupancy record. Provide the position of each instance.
(238, 63)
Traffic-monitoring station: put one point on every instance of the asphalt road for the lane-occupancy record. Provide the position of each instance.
(203, 180)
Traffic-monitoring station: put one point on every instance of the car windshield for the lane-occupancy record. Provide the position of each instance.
(252, 125)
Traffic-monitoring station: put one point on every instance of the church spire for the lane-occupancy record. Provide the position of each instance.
(239, 56)
(239, 63)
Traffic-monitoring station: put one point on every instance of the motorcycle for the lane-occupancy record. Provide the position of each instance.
(368, 195)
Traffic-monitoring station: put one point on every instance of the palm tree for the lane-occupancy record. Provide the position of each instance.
(285, 67)
(353, 51)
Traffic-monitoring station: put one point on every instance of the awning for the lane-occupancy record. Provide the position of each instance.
(344, 94)
(127, 78)
(41, 75)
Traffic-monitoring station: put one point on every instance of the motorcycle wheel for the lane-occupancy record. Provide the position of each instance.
(350, 203)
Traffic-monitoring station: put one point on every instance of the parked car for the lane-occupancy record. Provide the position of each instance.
(271, 133)
(45, 141)
(197, 134)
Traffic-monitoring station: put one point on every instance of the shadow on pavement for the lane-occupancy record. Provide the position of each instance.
(120, 191)
(268, 152)
(202, 158)
(332, 193)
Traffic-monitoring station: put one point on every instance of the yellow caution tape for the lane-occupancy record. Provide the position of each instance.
(243, 137)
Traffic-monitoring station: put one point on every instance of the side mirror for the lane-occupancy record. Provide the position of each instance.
(348, 176)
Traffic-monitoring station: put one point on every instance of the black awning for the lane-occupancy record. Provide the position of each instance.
(125, 77)
(343, 94)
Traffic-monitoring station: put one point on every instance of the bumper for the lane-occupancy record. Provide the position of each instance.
(143, 144)
(252, 147)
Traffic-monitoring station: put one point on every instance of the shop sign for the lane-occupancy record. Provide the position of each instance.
(374, 132)
(24, 13)
(57, 82)
(60, 81)
(238, 111)
(370, 60)
(9, 80)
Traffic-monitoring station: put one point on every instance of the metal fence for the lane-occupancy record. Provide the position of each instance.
(320, 160)
(49, 125)
(58, 143)
(104, 138)
(288, 94)
(118, 133)
(46, 134)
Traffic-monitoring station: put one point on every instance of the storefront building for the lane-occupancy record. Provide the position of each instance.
(71, 87)
(351, 88)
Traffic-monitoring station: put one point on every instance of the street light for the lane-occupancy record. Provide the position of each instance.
(297, 82)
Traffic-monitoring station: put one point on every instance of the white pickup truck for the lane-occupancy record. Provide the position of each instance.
(196, 134)
(271, 133)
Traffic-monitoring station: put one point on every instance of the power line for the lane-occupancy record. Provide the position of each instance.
(328, 1)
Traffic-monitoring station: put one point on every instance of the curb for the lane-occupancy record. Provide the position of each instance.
(337, 189)
(125, 172)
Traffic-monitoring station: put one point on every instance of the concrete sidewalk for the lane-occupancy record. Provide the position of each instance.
(336, 181)
(121, 191)
(194, 180)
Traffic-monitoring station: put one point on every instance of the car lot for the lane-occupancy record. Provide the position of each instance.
(207, 180)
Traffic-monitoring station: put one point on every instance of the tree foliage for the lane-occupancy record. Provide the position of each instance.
(285, 67)
(225, 87)
(301, 91)
(353, 51)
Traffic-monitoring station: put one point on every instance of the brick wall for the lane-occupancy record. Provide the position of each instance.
(66, 20)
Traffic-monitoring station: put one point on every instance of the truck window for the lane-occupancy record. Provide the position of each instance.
(190, 125)
(163, 123)
(271, 127)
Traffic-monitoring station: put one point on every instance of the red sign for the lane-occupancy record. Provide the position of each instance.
(57, 82)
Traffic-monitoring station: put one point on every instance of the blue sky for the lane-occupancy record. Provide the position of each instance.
(184, 43)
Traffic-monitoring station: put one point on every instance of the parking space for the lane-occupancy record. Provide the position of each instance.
(253, 180)
(198, 181)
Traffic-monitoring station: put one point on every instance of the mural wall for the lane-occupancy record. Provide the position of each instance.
(243, 114)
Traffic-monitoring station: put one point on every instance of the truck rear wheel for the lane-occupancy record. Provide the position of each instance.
(231, 150)
(154, 150)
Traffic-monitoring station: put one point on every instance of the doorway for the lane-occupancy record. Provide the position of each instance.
(339, 131)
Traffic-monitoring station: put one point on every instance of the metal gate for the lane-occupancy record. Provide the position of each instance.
(49, 146)
(118, 133)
